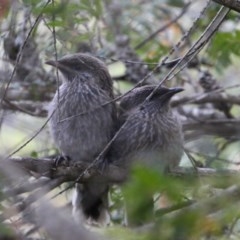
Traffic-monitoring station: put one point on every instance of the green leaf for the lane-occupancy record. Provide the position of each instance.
(176, 3)
(34, 154)
(222, 47)
(56, 23)
(93, 7)
(139, 191)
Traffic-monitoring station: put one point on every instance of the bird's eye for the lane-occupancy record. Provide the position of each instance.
(142, 108)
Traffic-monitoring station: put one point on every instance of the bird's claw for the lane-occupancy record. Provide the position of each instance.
(61, 160)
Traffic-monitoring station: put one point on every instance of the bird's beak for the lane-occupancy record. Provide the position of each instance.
(59, 65)
(175, 90)
(171, 91)
(52, 63)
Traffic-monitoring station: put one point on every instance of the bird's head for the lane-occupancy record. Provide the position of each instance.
(162, 95)
(73, 65)
(160, 99)
(135, 97)
(138, 96)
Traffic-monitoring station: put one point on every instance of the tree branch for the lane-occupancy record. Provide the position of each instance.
(207, 98)
(46, 167)
(112, 173)
(232, 4)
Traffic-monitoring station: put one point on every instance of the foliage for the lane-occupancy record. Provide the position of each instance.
(223, 46)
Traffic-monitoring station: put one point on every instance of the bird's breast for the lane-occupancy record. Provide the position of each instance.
(80, 126)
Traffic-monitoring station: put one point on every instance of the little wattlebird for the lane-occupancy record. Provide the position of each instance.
(149, 130)
(81, 127)
(210, 85)
(149, 133)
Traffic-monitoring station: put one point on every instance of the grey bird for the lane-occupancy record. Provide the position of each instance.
(209, 85)
(80, 127)
(149, 132)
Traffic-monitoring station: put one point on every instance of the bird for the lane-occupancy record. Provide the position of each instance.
(150, 134)
(133, 99)
(81, 127)
(209, 85)
(147, 126)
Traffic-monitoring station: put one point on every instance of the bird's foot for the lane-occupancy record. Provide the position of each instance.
(62, 160)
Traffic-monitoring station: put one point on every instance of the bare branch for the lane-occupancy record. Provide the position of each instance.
(207, 98)
(37, 109)
(26, 187)
(113, 173)
(204, 172)
(215, 203)
(223, 128)
(162, 28)
(46, 167)
(234, 5)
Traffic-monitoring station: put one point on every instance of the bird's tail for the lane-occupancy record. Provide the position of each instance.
(90, 202)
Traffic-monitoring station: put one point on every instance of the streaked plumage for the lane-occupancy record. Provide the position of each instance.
(86, 85)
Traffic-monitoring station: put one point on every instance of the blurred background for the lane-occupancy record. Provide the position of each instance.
(132, 37)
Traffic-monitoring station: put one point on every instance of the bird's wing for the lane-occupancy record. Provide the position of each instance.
(137, 133)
